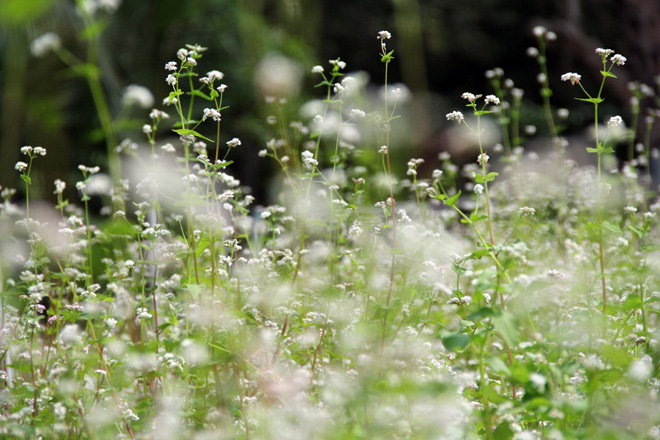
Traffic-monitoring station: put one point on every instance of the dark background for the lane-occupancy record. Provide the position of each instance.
(442, 48)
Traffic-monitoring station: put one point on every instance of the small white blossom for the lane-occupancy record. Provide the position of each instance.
(478, 188)
(308, 159)
(615, 121)
(482, 159)
(384, 35)
(317, 69)
(526, 211)
(48, 42)
(211, 113)
(604, 52)
(618, 59)
(358, 113)
(20, 166)
(455, 116)
(492, 99)
(574, 78)
(135, 95)
(143, 313)
(59, 186)
(235, 142)
(538, 31)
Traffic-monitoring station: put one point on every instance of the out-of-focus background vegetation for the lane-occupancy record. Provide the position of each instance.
(442, 48)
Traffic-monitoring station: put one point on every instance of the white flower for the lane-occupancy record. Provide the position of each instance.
(618, 59)
(471, 97)
(478, 188)
(455, 116)
(526, 211)
(538, 31)
(615, 121)
(532, 52)
(20, 166)
(234, 143)
(572, 77)
(215, 75)
(143, 313)
(604, 52)
(27, 150)
(48, 42)
(171, 65)
(383, 149)
(338, 63)
(221, 88)
(384, 35)
(492, 99)
(317, 69)
(147, 129)
(483, 157)
(171, 80)
(39, 151)
(358, 113)
(70, 335)
(59, 186)
(158, 114)
(211, 113)
(308, 159)
(135, 95)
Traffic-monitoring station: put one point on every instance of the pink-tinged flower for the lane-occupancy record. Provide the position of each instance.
(615, 121)
(471, 97)
(492, 99)
(384, 35)
(604, 52)
(455, 116)
(574, 78)
(482, 159)
(618, 59)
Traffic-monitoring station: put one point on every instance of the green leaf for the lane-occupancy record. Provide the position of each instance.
(187, 131)
(484, 312)
(26, 179)
(591, 100)
(613, 227)
(507, 326)
(632, 302)
(174, 95)
(503, 431)
(607, 74)
(201, 95)
(452, 200)
(491, 176)
(498, 365)
(482, 112)
(456, 341)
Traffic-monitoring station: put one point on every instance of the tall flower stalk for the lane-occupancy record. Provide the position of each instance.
(386, 58)
(607, 57)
